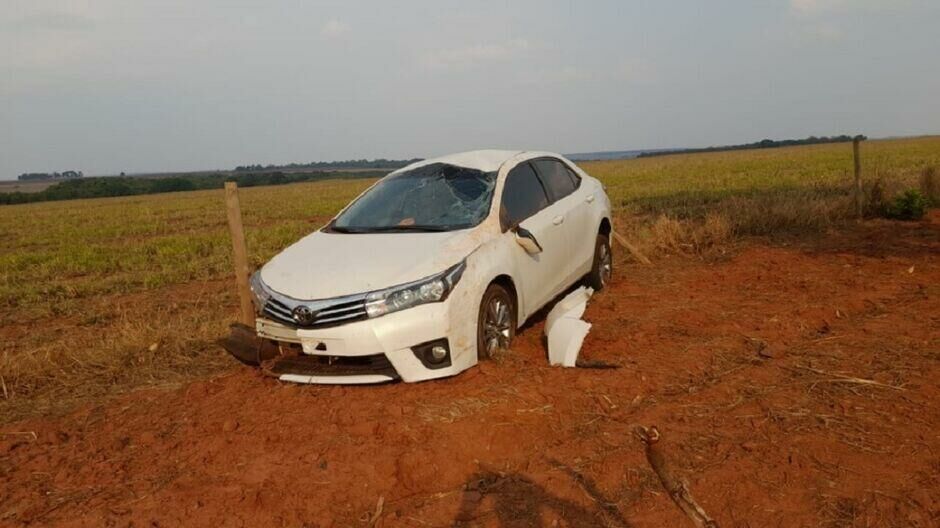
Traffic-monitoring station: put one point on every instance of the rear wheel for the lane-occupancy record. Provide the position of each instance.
(603, 264)
(496, 324)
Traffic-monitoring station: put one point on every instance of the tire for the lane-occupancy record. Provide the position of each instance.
(496, 322)
(603, 266)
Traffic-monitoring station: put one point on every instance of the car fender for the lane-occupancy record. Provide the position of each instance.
(489, 261)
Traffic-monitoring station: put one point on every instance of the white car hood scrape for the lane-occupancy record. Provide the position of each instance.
(324, 265)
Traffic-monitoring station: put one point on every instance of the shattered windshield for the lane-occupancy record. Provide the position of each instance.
(435, 197)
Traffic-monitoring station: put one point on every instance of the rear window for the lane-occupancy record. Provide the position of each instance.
(558, 179)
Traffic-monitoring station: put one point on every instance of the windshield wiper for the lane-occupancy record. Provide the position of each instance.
(422, 228)
(337, 229)
(394, 229)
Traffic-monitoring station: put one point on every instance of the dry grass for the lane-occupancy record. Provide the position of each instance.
(456, 409)
(664, 203)
(125, 342)
(460, 408)
(671, 235)
(930, 185)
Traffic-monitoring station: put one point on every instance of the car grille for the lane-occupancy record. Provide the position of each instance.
(327, 313)
(333, 366)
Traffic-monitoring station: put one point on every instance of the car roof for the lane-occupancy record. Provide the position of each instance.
(482, 160)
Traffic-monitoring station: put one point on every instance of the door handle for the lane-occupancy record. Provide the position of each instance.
(590, 198)
(558, 220)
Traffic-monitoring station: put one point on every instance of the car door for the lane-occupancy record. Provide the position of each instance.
(524, 203)
(574, 206)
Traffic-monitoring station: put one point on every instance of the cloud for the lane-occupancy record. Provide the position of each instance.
(334, 28)
(51, 22)
(827, 32)
(636, 71)
(626, 71)
(46, 43)
(813, 7)
(824, 20)
(459, 58)
(820, 7)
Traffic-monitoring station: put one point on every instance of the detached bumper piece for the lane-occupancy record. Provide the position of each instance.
(332, 369)
(245, 345)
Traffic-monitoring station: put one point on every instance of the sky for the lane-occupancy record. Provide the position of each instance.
(108, 86)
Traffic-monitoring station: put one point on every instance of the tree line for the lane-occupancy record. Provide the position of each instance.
(765, 143)
(42, 176)
(101, 187)
(378, 163)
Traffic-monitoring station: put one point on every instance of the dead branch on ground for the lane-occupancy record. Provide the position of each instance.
(677, 488)
(373, 518)
(839, 378)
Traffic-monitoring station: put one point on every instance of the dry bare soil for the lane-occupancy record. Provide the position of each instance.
(794, 383)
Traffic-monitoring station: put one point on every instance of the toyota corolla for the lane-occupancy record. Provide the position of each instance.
(432, 269)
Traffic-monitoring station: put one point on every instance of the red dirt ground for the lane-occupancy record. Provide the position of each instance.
(751, 366)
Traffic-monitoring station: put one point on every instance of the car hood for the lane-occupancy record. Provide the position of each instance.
(324, 265)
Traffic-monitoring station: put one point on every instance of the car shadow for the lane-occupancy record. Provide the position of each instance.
(518, 501)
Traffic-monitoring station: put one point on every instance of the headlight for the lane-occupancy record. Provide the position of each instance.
(258, 291)
(428, 290)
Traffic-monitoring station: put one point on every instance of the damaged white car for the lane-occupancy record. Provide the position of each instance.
(431, 269)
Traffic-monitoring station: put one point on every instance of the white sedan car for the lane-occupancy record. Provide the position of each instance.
(432, 269)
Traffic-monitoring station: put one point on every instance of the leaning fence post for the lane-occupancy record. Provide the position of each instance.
(246, 313)
(858, 175)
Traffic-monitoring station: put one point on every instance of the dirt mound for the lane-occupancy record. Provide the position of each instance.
(794, 384)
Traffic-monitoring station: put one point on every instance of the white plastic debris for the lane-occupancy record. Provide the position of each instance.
(565, 329)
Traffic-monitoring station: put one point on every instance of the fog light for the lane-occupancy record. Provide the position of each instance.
(438, 353)
(433, 354)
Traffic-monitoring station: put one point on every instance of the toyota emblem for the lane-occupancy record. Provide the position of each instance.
(304, 315)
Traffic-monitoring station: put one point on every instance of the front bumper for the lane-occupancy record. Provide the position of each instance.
(391, 336)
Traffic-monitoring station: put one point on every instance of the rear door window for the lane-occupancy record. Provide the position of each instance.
(523, 196)
(558, 179)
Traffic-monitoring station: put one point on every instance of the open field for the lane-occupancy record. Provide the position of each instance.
(785, 369)
(24, 186)
(87, 270)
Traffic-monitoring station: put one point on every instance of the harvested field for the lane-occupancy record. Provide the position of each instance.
(24, 186)
(793, 379)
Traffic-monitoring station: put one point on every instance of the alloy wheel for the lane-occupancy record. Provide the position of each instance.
(497, 325)
(606, 264)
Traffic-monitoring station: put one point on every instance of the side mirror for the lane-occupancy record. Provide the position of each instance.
(527, 240)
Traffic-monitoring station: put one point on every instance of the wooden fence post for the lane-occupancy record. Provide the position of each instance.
(858, 176)
(246, 313)
(631, 248)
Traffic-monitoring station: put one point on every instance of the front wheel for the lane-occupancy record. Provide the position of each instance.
(603, 266)
(496, 322)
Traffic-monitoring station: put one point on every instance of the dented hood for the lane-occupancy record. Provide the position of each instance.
(323, 265)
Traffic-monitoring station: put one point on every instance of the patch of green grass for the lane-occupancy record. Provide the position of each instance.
(51, 252)
(910, 205)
